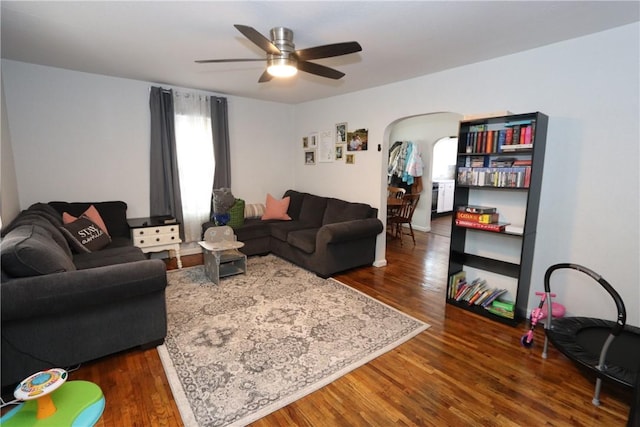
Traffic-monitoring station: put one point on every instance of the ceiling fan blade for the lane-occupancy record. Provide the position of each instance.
(207, 61)
(319, 70)
(258, 39)
(328, 50)
(265, 77)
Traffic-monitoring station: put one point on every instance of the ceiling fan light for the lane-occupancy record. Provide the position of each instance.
(282, 67)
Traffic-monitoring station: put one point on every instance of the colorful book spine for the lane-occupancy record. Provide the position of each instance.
(497, 227)
(477, 209)
(481, 218)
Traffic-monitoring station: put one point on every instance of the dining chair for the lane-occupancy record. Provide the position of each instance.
(404, 216)
(395, 192)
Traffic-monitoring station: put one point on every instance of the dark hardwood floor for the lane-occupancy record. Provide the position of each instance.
(463, 371)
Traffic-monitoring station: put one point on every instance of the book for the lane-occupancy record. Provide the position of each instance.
(497, 227)
(516, 147)
(492, 297)
(477, 209)
(507, 305)
(455, 281)
(501, 162)
(482, 218)
(501, 312)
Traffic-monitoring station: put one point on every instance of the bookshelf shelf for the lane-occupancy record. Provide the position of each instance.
(489, 174)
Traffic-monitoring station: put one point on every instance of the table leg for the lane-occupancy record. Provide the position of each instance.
(177, 250)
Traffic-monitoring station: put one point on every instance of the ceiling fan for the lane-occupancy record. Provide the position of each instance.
(282, 58)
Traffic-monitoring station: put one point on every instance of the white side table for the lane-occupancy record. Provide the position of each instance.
(222, 259)
(153, 235)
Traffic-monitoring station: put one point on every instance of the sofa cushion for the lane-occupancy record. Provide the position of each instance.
(276, 209)
(255, 210)
(280, 230)
(30, 217)
(305, 240)
(312, 209)
(113, 213)
(295, 204)
(29, 250)
(91, 213)
(340, 211)
(85, 235)
(253, 228)
(109, 256)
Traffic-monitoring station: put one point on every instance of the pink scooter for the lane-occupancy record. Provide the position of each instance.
(540, 313)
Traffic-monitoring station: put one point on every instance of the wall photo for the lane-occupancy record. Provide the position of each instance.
(357, 140)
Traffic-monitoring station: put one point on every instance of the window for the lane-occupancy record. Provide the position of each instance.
(196, 163)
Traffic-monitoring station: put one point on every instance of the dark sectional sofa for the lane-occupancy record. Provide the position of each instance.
(325, 235)
(60, 308)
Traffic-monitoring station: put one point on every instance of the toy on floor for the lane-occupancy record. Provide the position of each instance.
(540, 313)
(51, 401)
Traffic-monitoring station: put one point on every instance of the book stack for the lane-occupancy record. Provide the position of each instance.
(478, 292)
(502, 308)
(479, 217)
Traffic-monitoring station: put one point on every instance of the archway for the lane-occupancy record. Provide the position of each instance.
(425, 130)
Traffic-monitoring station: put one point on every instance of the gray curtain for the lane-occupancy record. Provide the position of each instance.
(220, 132)
(165, 196)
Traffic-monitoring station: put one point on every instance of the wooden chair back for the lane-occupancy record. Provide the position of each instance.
(395, 192)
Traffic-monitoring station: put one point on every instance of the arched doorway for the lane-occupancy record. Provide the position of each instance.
(425, 130)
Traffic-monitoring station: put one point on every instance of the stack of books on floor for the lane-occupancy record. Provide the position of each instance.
(479, 293)
(479, 217)
(502, 308)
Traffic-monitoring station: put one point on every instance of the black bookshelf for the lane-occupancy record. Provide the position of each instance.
(492, 161)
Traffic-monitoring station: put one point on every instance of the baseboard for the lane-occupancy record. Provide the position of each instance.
(380, 263)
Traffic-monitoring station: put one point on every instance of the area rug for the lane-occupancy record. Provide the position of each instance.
(256, 342)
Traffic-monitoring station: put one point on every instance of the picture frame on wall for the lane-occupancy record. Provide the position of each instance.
(305, 142)
(340, 151)
(326, 147)
(358, 140)
(310, 157)
(313, 140)
(341, 133)
(351, 159)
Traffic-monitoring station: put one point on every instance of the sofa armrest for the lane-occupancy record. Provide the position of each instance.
(349, 230)
(51, 294)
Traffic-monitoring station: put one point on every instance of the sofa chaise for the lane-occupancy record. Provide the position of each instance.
(60, 308)
(325, 235)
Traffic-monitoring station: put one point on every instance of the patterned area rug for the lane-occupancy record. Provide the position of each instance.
(259, 341)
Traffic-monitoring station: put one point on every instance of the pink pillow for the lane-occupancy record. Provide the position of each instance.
(91, 213)
(276, 209)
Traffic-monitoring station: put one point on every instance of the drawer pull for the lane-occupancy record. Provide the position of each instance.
(157, 239)
(141, 242)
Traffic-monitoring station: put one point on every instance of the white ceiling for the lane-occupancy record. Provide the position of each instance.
(157, 41)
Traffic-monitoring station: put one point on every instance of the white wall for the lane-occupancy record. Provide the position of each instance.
(9, 199)
(589, 88)
(85, 137)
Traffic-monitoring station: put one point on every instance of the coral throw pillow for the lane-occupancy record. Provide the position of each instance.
(91, 213)
(276, 209)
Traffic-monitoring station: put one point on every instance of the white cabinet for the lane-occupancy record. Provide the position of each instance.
(152, 235)
(445, 196)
